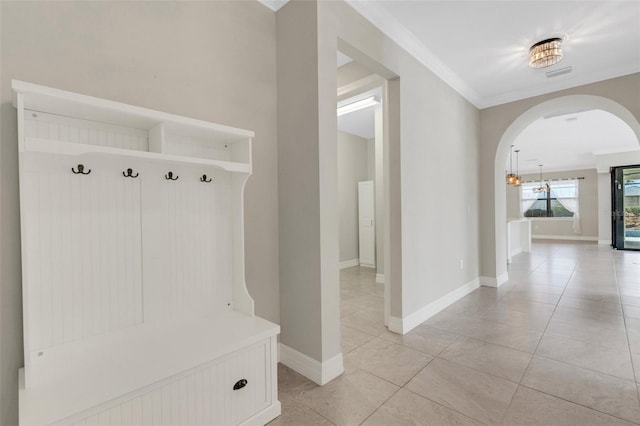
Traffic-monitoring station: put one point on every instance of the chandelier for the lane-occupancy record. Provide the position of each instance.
(544, 187)
(545, 53)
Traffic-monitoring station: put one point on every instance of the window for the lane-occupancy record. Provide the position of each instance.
(558, 199)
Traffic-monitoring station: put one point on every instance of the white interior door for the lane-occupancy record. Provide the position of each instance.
(366, 224)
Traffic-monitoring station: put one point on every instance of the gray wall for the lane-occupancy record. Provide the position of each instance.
(439, 131)
(435, 131)
(301, 273)
(352, 168)
(371, 159)
(214, 61)
(351, 72)
(563, 227)
(494, 123)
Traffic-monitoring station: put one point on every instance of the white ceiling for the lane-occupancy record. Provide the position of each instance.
(343, 59)
(571, 141)
(360, 123)
(480, 47)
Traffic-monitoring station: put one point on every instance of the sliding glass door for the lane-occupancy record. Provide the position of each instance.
(625, 196)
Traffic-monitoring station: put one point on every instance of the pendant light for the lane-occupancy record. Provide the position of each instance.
(511, 178)
(518, 179)
(541, 188)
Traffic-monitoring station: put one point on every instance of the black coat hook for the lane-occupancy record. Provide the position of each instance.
(169, 176)
(204, 179)
(130, 174)
(81, 170)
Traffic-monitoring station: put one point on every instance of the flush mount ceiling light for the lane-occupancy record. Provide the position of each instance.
(358, 105)
(545, 53)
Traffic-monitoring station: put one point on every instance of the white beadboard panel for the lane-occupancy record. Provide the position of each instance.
(202, 396)
(67, 129)
(197, 241)
(83, 253)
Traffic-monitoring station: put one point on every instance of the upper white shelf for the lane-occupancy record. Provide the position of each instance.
(57, 147)
(64, 122)
(70, 104)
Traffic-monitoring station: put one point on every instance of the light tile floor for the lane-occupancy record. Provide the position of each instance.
(557, 344)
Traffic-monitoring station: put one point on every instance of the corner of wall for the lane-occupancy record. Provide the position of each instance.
(411, 321)
(316, 371)
(494, 281)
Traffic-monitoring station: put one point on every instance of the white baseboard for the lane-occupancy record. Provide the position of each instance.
(494, 282)
(563, 237)
(380, 278)
(319, 372)
(349, 263)
(408, 323)
(367, 265)
(604, 242)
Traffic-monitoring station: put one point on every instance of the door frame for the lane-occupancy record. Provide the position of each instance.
(617, 207)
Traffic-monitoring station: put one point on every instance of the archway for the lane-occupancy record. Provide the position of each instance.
(553, 106)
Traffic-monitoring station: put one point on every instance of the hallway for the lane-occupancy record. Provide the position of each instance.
(557, 344)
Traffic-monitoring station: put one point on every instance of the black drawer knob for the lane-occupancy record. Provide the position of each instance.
(240, 384)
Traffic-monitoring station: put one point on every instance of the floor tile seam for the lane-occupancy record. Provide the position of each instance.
(604, 329)
(482, 319)
(502, 346)
(476, 370)
(362, 331)
(389, 381)
(589, 310)
(355, 329)
(626, 329)
(420, 350)
(298, 399)
(509, 404)
(395, 384)
(577, 403)
(443, 405)
(353, 313)
(399, 344)
(587, 368)
(380, 406)
(301, 402)
(502, 323)
(526, 370)
(551, 333)
(495, 343)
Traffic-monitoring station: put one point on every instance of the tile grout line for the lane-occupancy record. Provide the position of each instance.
(442, 405)
(519, 384)
(380, 406)
(538, 344)
(458, 336)
(576, 403)
(626, 330)
(564, 399)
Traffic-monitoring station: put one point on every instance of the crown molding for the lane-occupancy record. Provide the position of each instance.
(562, 83)
(274, 5)
(397, 32)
